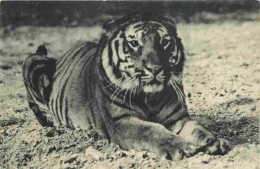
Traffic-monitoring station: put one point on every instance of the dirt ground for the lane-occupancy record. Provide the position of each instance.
(222, 86)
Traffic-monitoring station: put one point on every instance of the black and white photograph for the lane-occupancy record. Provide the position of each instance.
(130, 84)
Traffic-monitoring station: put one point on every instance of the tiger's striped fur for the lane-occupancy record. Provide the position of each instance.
(128, 88)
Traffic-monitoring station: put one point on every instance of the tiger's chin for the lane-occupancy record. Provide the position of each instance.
(154, 88)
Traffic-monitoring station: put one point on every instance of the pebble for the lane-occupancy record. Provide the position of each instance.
(121, 154)
(253, 108)
(206, 159)
(95, 154)
(245, 64)
(70, 160)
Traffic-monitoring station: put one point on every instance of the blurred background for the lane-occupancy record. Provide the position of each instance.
(72, 14)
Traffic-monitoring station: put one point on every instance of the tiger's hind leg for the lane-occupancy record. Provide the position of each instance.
(38, 71)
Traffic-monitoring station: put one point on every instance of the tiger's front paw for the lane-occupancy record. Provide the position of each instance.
(176, 149)
(197, 134)
(216, 146)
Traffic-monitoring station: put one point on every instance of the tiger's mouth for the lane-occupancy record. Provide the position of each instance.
(152, 88)
(151, 83)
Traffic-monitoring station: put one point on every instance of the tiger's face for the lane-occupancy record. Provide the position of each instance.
(143, 56)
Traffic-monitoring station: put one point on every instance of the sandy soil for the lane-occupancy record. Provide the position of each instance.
(222, 85)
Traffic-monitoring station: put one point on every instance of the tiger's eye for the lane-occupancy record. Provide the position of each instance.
(134, 43)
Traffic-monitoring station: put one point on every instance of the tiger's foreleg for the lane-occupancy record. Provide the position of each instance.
(38, 70)
(194, 132)
(133, 133)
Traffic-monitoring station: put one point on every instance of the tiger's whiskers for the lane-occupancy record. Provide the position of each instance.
(122, 88)
(175, 82)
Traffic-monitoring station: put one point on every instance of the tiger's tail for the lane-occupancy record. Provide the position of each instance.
(38, 70)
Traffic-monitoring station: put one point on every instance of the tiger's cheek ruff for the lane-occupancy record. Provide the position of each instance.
(117, 48)
(108, 68)
(121, 62)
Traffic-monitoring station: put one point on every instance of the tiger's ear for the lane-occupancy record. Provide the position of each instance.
(117, 22)
(113, 24)
(109, 25)
(169, 23)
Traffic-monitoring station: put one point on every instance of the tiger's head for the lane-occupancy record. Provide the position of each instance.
(142, 53)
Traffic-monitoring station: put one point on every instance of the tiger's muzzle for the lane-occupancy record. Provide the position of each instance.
(152, 79)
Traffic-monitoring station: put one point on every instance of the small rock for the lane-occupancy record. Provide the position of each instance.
(189, 95)
(253, 108)
(95, 154)
(230, 160)
(70, 160)
(132, 165)
(145, 155)
(206, 159)
(123, 154)
(201, 153)
(245, 64)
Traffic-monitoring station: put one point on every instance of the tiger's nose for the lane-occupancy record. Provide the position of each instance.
(155, 69)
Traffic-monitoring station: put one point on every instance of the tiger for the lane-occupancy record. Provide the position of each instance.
(127, 87)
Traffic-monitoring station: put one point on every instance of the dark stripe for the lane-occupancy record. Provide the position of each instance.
(138, 26)
(57, 107)
(61, 99)
(117, 47)
(131, 36)
(66, 112)
(121, 117)
(138, 30)
(125, 46)
(110, 51)
(131, 66)
(92, 114)
(68, 53)
(174, 111)
(53, 109)
(68, 58)
(65, 57)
